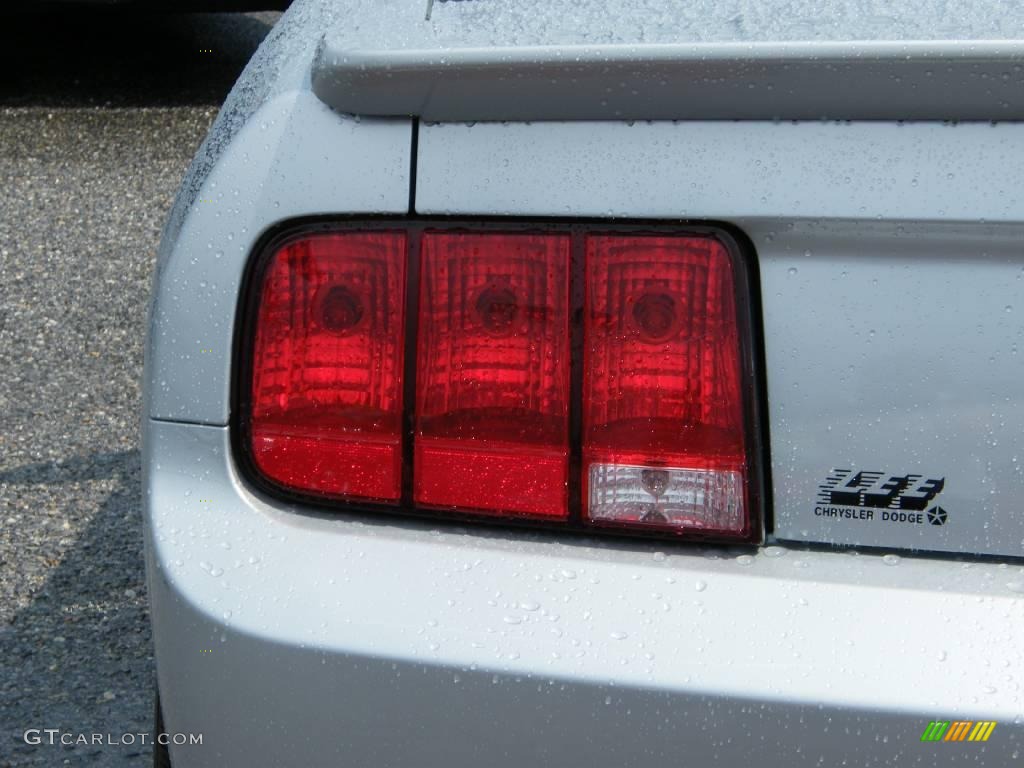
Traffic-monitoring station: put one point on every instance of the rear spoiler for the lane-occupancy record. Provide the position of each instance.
(918, 80)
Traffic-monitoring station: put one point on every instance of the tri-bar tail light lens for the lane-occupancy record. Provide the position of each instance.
(664, 438)
(492, 374)
(326, 409)
(581, 376)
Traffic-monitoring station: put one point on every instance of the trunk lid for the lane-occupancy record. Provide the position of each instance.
(891, 263)
(890, 253)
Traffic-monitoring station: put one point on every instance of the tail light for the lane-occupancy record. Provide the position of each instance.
(576, 376)
(326, 409)
(663, 424)
(492, 390)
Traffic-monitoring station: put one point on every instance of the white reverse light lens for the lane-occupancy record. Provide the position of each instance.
(704, 499)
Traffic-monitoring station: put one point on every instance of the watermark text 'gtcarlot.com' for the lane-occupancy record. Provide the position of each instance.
(55, 736)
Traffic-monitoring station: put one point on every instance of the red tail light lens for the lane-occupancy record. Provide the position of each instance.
(664, 431)
(584, 378)
(326, 408)
(492, 405)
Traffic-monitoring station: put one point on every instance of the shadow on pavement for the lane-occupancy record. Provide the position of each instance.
(78, 657)
(106, 58)
(75, 650)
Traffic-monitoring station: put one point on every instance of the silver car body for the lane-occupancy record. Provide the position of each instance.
(891, 264)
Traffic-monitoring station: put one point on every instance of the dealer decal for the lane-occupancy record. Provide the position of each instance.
(850, 494)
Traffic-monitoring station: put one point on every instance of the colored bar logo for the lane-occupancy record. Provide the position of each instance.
(958, 730)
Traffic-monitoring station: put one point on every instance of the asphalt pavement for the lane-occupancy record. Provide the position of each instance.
(100, 115)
